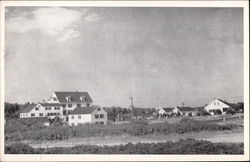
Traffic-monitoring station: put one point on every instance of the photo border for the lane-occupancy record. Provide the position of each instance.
(127, 157)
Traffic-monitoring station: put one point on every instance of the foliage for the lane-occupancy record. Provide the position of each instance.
(11, 110)
(33, 129)
(188, 146)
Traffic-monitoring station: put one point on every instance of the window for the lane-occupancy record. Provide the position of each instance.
(99, 109)
(102, 122)
(96, 116)
(37, 108)
(63, 105)
(218, 103)
(101, 115)
(96, 122)
(82, 98)
(32, 114)
(48, 108)
(225, 109)
(79, 116)
(69, 105)
(57, 108)
(214, 103)
(87, 104)
(40, 114)
(73, 124)
(68, 98)
(79, 105)
(69, 111)
(72, 117)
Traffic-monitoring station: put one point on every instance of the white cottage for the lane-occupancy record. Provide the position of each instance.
(50, 110)
(83, 115)
(218, 104)
(165, 111)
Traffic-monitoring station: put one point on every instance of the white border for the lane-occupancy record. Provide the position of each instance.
(63, 157)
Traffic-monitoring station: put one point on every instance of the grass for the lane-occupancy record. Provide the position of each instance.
(188, 146)
(33, 129)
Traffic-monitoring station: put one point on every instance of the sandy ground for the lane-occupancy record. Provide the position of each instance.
(233, 136)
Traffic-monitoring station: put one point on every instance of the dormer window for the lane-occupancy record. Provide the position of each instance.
(68, 98)
(82, 98)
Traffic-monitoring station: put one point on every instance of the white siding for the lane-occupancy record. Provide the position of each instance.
(216, 105)
(85, 118)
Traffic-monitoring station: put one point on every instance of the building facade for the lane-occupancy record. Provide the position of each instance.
(71, 100)
(218, 104)
(83, 115)
(49, 110)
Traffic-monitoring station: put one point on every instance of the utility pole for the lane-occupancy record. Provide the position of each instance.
(132, 105)
(159, 102)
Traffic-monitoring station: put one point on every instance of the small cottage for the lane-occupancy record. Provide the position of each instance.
(83, 115)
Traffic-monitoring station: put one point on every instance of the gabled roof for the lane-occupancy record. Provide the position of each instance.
(75, 96)
(50, 104)
(167, 109)
(83, 110)
(185, 108)
(28, 108)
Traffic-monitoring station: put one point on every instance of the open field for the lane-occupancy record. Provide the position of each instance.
(231, 136)
(37, 135)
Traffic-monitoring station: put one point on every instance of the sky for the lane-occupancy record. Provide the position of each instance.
(161, 56)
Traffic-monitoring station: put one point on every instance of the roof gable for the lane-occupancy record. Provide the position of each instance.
(168, 109)
(74, 96)
(28, 108)
(185, 108)
(83, 110)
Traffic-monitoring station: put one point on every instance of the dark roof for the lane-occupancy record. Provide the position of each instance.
(75, 96)
(198, 108)
(28, 108)
(185, 108)
(83, 110)
(168, 109)
(227, 103)
(50, 104)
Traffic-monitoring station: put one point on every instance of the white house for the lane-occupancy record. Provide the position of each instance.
(218, 104)
(71, 100)
(165, 111)
(83, 115)
(185, 111)
(42, 110)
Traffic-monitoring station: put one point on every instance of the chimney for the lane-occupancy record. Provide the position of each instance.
(43, 100)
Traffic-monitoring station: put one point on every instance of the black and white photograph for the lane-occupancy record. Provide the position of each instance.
(124, 80)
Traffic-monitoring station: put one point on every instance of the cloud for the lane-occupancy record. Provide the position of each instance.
(60, 23)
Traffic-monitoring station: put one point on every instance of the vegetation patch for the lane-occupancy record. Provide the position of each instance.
(188, 146)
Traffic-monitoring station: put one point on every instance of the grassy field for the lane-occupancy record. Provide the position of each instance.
(26, 129)
(32, 132)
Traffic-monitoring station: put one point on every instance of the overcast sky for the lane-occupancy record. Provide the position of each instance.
(188, 55)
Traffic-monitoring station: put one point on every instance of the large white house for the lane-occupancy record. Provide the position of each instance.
(71, 100)
(42, 110)
(218, 104)
(83, 115)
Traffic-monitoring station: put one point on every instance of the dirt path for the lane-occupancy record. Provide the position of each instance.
(235, 136)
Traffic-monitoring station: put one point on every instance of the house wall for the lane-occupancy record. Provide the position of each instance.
(85, 118)
(99, 120)
(42, 110)
(216, 105)
(68, 109)
(161, 112)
